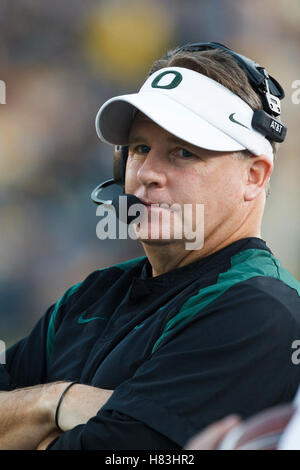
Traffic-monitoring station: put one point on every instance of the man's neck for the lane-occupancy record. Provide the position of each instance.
(165, 257)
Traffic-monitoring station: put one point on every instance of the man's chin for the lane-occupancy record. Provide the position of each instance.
(157, 237)
(156, 242)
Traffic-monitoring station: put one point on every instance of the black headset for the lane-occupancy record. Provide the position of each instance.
(264, 120)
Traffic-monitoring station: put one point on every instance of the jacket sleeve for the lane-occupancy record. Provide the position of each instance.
(27, 360)
(4, 379)
(111, 430)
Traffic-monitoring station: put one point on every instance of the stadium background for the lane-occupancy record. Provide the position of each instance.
(60, 61)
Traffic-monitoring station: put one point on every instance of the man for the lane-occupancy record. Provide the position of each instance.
(166, 344)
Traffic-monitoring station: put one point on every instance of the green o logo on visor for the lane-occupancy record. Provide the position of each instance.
(175, 78)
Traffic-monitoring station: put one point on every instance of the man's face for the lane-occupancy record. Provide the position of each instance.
(166, 170)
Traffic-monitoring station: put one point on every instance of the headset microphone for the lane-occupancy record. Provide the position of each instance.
(123, 215)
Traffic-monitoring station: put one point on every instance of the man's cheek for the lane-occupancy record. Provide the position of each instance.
(130, 181)
(131, 176)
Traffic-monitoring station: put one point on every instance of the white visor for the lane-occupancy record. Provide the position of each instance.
(190, 106)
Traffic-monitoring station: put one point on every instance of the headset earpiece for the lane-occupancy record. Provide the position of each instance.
(119, 165)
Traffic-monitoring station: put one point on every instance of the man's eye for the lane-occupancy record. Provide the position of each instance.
(185, 153)
(142, 149)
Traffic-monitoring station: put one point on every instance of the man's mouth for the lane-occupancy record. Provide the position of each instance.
(160, 205)
(148, 202)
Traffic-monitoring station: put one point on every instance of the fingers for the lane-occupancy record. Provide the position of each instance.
(45, 442)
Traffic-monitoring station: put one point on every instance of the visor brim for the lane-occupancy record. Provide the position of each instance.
(115, 117)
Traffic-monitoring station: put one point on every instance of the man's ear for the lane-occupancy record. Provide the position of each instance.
(258, 173)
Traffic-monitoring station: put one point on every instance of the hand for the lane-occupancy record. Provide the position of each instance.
(45, 442)
(211, 437)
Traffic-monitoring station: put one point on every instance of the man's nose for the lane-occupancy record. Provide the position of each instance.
(152, 170)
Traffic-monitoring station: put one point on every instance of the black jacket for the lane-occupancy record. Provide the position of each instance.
(180, 350)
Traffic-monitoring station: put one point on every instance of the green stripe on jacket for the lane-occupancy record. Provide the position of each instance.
(51, 327)
(245, 265)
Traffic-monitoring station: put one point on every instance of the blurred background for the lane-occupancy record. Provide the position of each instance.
(60, 61)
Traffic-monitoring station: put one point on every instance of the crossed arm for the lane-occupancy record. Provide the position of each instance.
(28, 414)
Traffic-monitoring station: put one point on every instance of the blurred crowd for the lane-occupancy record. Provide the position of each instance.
(60, 61)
